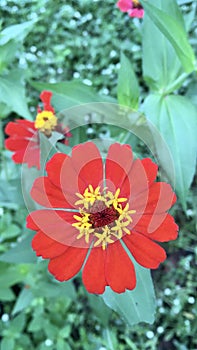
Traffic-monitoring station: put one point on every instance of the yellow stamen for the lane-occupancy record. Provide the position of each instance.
(45, 122)
(114, 200)
(89, 223)
(136, 3)
(89, 197)
(83, 225)
(103, 237)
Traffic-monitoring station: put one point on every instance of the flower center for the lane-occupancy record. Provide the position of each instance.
(103, 216)
(136, 4)
(45, 122)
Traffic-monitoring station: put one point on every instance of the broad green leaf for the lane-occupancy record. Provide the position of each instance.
(5, 110)
(128, 88)
(21, 253)
(8, 231)
(176, 120)
(7, 344)
(174, 31)
(7, 53)
(10, 275)
(162, 68)
(137, 305)
(18, 32)
(24, 299)
(71, 93)
(10, 193)
(6, 294)
(17, 324)
(12, 93)
(54, 290)
(99, 308)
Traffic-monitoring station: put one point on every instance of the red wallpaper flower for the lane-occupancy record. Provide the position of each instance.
(23, 137)
(132, 7)
(94, 209)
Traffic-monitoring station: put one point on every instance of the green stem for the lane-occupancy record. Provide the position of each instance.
(176, 84)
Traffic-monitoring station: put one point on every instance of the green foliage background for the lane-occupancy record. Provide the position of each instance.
(60, 41)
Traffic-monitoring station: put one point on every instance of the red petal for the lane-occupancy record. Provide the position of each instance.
(57, 224)
(118, 165)
(27, 123)
(124, 5)
(32, 157)
(53, 168)
(119, 269)
(94, 271)
(74, 174)
(45, 97)
(31, 224)
(48, 195)
(18, 156)
(19, 129)
(29, 155)
(166, 228)
(157, 199)
(68, 264)
(150, 169)
(87, 162)
(141, 176)
(16, 144)
(146, 252)
(47, 247)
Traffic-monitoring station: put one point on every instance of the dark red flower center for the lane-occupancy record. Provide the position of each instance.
(102, 215)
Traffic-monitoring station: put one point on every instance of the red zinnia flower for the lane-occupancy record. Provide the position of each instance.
(24, 134)
(97, 208)
(132, 7)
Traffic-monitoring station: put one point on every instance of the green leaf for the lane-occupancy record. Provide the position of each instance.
(12, 92)
(10, 193)
(161, 66)
(5, 110)
(174, 31)
(10, 275)
(17, 324)
(6, 294)
(128, 88)
(24, 299)
(99, 309)
(137, 305)
(54, 290)
(8, 231)
(21, 253)
(7, 344)
(70, 93)
(7, 53)
(175, 119)
(18, 32)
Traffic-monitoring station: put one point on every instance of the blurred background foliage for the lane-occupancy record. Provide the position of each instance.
(51, 42)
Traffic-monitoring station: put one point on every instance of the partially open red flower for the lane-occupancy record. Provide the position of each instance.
(132, 7)
(93, 209)
(23, 137)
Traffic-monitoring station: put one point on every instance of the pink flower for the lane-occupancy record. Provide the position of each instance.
(132, 7)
